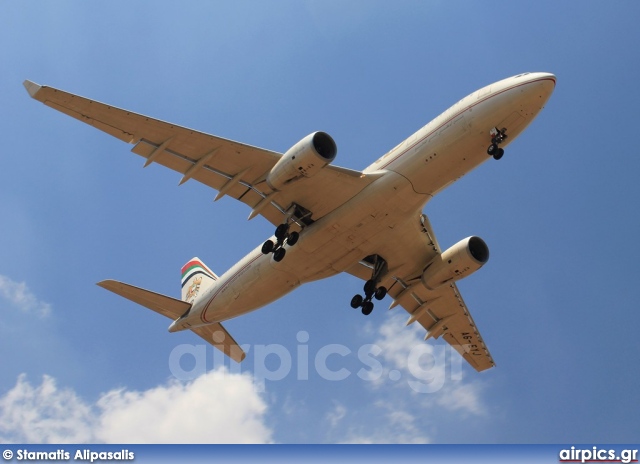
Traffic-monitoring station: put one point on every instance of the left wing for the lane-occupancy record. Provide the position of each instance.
(234, 169)
(442, 312)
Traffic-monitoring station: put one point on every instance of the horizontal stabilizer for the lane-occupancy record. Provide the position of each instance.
(32, 88)
(165, 305)
(220, 339)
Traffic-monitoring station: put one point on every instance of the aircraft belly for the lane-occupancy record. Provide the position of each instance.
(273, 285)
(249, 285)
(447, 161)
(348, 234)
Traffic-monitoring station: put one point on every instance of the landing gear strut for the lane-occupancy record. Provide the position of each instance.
(371, 289)
(497, 137)
(282, 236)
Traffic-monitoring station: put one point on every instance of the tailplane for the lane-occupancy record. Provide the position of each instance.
(176, 309)
(196, 278)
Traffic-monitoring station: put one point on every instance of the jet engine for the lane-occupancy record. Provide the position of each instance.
(461, 260)
(304, 159)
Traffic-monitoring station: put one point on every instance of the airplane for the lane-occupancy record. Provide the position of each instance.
(330, 219)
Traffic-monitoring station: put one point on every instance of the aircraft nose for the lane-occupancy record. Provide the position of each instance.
(538, 88)
(548, 84)
(546, 81)
(544, 75)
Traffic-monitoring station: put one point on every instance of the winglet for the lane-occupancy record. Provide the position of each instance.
(32, 88)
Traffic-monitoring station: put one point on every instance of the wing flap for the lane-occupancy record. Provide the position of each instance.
(162, 304)
(221, 339)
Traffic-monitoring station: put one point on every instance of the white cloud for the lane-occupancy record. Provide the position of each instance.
(44, 414)
(336, 414)
(422, 385)
(218, 407)
(420, 393)
(463, 397)
(397, 340)
(397, 426)
(434, 372)
(19, 295)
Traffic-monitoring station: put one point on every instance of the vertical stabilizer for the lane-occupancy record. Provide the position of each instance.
(196, 278)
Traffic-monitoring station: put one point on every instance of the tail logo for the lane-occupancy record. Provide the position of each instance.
(193, 290)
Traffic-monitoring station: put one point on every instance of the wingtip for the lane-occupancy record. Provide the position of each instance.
(106, 284)
(237, 354)
(31, 87)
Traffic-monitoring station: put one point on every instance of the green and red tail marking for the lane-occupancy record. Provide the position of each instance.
(194, 267)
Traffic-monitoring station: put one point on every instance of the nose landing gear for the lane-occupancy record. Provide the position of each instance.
(371, 289)
(497, 137)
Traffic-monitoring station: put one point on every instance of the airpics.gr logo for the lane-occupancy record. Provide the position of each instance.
(596, 454)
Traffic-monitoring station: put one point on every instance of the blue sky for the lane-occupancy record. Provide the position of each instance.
(557, 303)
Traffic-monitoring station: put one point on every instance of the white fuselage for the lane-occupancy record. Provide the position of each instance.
(410, 174)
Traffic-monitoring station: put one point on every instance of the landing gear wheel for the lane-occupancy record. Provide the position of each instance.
(370, 287)
(281, 232)
(267, 247)
(356, 301)
(367, 307)
(380, 293)
(292, 239)
(278, 255)
(497, 137)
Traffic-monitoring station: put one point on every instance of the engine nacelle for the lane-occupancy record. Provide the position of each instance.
(304, 159)
(461, 260)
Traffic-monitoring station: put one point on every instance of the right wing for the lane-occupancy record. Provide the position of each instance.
(442, 312)
(234, 169)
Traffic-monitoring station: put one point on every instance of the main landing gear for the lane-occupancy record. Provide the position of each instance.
(497, 137)
(282, 236)
(295, 214)
(371, 289)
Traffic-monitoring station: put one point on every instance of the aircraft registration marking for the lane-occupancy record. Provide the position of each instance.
(473, 349)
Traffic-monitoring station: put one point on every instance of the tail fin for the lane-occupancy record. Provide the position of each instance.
(196, 277)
